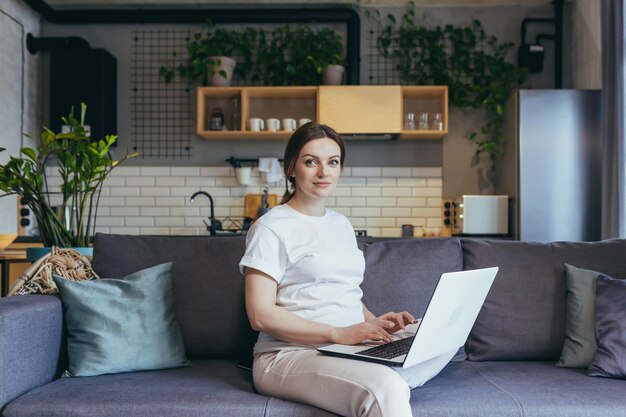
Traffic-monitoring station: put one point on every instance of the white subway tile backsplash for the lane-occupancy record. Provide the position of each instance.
(124, 211)
(169, 221)
(426, 172)
(381, 202)
(396, 192)
(350, 201)
(140, 181)
(155, 171)
(170, 201)
(382, 182)
(123, 171)
(155, 200)
(366, 172)
(184, 211)
(365, 191)
(198, 182)
(140, 201)
(125, 230)
(411, 202)
(139, 221)
(170, 181)
(396, 212)
(366, 211)
(381, 222)
(157, 191)
(154, 211)
(186, 192)
(397, 172)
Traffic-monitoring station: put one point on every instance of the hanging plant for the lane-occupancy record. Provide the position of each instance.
(471, 63)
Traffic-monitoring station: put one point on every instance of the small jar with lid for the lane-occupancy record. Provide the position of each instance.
(216, 120)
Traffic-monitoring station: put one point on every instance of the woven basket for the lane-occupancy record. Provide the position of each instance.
(68, 263)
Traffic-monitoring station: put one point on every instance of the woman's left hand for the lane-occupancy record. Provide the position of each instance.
(393, 322)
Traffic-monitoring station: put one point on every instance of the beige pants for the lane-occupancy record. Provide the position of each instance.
(346, 387)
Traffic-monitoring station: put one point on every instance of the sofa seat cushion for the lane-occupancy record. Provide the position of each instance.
(541, 389)
(208, 388)
(514, 389)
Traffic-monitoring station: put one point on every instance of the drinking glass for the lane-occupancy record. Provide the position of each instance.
(409, 124)
(437, 123)
(423, 122)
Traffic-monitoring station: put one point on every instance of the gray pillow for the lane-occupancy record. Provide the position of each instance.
(609, 359)
(580, 338)
(121, 325)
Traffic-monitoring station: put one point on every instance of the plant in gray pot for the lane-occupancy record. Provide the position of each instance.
(65, 217)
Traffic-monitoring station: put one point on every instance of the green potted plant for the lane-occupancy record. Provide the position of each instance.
(472, 63)
(296, 56)
(212, 56)
(327, 56)
(83, 165)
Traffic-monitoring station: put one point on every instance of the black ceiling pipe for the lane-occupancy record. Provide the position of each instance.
(287, 14)
(35, 45)
(558, 62)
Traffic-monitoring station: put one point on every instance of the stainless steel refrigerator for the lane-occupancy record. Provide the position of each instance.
(551, 165)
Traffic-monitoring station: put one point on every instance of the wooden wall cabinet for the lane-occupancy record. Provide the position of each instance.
(348, 109)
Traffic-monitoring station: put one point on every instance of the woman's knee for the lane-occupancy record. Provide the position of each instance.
(388, 392)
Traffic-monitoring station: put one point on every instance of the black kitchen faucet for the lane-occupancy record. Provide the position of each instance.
(215, 224)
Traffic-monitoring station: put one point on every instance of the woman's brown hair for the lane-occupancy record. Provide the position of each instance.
(306, 133)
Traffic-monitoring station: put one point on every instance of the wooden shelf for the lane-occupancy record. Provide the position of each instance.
(327, 104)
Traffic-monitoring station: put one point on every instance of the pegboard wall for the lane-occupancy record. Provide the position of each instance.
(379, 70)
(162, 120)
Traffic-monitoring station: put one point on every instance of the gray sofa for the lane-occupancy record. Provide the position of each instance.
(511, 351)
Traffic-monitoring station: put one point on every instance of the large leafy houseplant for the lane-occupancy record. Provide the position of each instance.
(295, 56)
(83, 165)
(470, 62)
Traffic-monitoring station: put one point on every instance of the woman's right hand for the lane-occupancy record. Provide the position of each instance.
(358, 333)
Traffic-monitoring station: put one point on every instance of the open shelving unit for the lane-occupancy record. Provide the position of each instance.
(304, 102)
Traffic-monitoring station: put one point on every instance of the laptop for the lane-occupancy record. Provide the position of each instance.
(448, 320)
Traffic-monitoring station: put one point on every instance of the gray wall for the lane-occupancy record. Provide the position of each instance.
(19, 92)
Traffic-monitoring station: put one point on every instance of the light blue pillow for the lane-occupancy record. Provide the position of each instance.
(121, 325)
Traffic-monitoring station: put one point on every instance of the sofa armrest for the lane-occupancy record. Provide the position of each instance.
(31, 343)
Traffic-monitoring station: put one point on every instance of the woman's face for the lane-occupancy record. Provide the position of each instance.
(317, 169)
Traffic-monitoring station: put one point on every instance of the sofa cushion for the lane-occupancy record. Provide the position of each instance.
(402, 274)
(208, 288)
(609, 359)
(580, 337)
(523, 317)
(208, 388)
(121, 325)
(539, 389)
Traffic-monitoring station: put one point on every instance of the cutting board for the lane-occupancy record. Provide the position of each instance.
(253, 203)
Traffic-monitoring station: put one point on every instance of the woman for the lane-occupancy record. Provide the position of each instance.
(302, 272)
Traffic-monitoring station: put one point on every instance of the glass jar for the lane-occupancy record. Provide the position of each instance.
(216, 120)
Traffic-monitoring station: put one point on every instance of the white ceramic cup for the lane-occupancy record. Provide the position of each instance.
(302, 122)
(289, 125)
(272, 124)
(257, 124)
(243, 175)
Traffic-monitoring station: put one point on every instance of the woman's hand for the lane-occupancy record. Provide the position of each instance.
(393, 322)
(357, 333)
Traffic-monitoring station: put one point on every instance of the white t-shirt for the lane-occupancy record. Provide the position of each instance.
(316, 263)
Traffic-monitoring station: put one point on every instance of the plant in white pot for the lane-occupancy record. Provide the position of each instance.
(326, 54)
(212, 56)
(83, 165)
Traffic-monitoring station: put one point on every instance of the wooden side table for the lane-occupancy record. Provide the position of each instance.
(8, 257)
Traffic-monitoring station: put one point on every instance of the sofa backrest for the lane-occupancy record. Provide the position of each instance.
(208, 288)
(523, 317)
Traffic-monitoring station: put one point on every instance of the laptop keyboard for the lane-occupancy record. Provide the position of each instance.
(389, 350)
